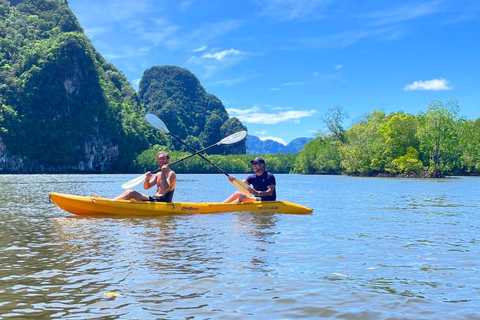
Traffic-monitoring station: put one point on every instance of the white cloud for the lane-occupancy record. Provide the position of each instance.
(279, 140)
(112, 56)
(203, 48)
(214, 61)
(93, 32)
(279, 108)
(221, 54)
(435, 84)
(263, 132)
(338, 66)
(253, 115)
(135, 83)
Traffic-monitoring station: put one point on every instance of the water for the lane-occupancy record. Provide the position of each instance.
(373, 249)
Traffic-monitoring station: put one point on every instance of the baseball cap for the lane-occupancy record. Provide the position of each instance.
(258, 160)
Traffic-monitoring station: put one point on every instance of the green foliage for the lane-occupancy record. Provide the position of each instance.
(438, 135)
(319, 156)
(409, 163)
(363, 153)
(334, 121)
(400, 134)
(434, 143)
(469, 134)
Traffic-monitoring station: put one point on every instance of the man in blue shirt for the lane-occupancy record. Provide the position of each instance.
(263, 185)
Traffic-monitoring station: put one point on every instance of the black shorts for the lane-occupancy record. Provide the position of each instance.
(270, 198)
(158, 199)
(167, 197)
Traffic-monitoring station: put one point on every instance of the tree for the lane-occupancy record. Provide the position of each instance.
(333, 119)
(364, 152)
(319, 156)
(439, 140)
(400, 134)
(469, 131)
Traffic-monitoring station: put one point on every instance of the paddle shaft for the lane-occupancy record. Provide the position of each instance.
(189, 156)
(195, 152)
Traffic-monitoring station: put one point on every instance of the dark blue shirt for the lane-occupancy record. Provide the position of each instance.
(260, 183)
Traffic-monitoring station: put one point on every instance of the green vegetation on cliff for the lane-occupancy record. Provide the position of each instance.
(176, 96)
(64, 108)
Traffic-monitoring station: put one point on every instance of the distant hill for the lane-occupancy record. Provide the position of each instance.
(176, 96)
(257, 146)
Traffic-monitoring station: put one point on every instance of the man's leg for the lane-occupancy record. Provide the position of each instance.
(132, 195)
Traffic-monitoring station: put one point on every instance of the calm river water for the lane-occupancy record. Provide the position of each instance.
(374, 248)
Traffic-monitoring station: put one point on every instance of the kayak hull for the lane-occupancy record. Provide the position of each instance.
(102, 206)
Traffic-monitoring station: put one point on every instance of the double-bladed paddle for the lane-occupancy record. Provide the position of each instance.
(233, 138)
(157, 123)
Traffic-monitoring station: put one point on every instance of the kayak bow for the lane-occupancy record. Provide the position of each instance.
(102, 206)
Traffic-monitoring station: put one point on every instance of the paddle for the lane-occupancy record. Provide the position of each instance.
(233, 138)
(157, 123)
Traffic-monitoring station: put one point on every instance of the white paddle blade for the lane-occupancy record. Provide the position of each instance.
(240, 185)
(240, 135)
(132, 183)
(156, 122)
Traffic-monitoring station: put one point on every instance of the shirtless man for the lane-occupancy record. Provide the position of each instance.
(165, 181)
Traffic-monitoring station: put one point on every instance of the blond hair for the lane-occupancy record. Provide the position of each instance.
(165, 153)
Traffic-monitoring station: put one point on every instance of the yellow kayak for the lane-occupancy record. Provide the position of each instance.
(103, 206)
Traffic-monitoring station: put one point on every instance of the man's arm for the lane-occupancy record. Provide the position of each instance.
(266, 193)
(147, 184)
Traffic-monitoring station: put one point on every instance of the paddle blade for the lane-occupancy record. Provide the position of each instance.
(132, 183)
(240, 185)
(240, 135)
(156, 122)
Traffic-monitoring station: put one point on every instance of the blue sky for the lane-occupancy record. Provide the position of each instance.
(279, 65)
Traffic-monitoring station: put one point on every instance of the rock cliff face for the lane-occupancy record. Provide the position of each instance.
(99, 155)
(9, 163)
(63, 108)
